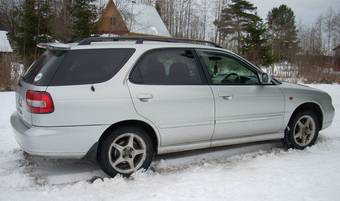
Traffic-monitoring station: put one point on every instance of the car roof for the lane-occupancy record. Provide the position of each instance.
(149, 45)
(136, 42)
(140, 45)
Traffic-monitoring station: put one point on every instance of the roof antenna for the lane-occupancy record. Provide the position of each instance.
(139, 41)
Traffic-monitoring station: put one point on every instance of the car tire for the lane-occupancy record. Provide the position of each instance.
(125, 150)
(302, 131)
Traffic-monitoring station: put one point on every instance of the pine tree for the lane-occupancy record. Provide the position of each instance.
(256, 46)
(34, 27)
(62, 29)
(283, 32)
(83, 14)
(235, 18)
(27, 31)
(45, 17)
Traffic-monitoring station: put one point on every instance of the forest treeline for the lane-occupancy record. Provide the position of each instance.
(234, 24)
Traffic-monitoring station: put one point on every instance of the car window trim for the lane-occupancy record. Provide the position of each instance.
(204, 79)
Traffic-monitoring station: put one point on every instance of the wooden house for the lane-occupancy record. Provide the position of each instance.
(6, 50)
(5, 47)
(133, 19)
(6, 54)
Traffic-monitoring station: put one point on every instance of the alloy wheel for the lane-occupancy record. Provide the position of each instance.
(304, 130)
(127, 153)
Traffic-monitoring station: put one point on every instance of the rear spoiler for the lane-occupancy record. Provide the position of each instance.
(54, 46)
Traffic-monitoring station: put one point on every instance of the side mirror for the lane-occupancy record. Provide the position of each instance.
(266, 78)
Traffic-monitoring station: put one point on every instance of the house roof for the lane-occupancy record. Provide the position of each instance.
(146, 20)
(4, 43)
(131, 18)
(111, 20)
(337, 47)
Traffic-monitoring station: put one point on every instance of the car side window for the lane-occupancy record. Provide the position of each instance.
(167, 67)
(227, 70)
(89, 66)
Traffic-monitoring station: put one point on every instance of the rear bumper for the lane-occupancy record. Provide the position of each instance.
(56, 142)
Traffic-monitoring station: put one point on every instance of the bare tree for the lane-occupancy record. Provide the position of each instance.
(204, 18)
(9, 14)
(329, 28)
(336, 30)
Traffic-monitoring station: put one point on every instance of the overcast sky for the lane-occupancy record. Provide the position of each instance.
(306, 11)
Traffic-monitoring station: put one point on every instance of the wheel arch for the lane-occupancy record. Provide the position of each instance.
(133, 122)
(309, 106)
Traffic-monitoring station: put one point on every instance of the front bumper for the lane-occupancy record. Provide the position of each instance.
(57, 142)
(328, 117)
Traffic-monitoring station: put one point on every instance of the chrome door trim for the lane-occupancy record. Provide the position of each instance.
(262, 137)
(243, 118)
(217, 143)
(194, 124)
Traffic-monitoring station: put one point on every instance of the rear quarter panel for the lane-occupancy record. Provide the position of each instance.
(78, 105)
(20, 98)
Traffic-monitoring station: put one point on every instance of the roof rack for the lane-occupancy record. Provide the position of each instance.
(54, 46)
(141, 39)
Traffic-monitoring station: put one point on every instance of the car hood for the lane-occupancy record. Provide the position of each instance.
(299, 88)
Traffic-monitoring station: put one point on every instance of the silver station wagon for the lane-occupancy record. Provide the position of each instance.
(128, 99)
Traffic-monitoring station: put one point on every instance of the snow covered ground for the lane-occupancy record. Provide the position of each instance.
(258, 171)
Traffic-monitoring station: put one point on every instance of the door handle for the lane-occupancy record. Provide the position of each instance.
(227, 97)
(144, 97)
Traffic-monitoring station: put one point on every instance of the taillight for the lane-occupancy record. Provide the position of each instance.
(39, 102)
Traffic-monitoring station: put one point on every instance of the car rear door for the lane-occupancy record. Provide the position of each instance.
(244, 107)
(168, 87)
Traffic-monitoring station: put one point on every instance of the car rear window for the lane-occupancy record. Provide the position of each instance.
(42, 70)
(76, 67)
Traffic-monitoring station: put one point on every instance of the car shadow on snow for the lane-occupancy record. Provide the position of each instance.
(64, 171)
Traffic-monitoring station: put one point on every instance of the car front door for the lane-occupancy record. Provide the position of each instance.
(244, 107)
(168, 87)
